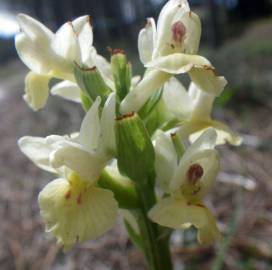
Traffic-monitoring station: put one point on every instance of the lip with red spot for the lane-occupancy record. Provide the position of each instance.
(178, 31)
(194, 173)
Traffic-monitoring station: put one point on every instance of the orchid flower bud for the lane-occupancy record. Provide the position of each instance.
(91, 82)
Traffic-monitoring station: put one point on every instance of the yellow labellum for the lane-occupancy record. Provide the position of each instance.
(75, 210)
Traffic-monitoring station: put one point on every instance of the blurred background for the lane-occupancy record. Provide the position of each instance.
(237, 38)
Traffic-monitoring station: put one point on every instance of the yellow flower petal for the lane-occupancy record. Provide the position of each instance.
(195, 128)
(208, 233)
(136, 98)
(176, 213)
(178, 63)
(146, 41)
(36, 90)
(75, 211)
(206, 79)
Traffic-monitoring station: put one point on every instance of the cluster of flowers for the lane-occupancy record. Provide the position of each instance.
(81, 204)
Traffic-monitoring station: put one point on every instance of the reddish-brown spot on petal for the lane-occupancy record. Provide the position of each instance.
(125, 116)
(115, 51)
(148, 23)
(68, 194)
(79, 199)
(194, 173)
(90, 20)
(178, 31)
(200, 205)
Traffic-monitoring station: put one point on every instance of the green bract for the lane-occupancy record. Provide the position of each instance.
(134, 148)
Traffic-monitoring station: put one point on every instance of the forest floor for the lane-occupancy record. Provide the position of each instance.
(241, 197)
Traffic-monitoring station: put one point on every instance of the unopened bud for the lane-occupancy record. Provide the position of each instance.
(91, 82)
(121, 70)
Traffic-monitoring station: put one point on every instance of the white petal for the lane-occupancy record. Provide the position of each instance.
(177, 99)
(87, 165)
(209, 162)
(177, 63)
(174, 213)
(35, 57)
(177, 213)
(38, 150)
(84, 31)
(107, 125)
(90, 127)
(200, 152)
(67, 90)
(36, 90)
(171, 11)
(65, 43)
(224, 133)
(203, 105)
(206, 141)
(104, 68)
(192, 24)
(165, 160)
(135, 80)
(137, 97)
(79, 22)
(146, 41)
(206, 80)
(33, 44)
(76, 212)
(193, 91)
(35, 30)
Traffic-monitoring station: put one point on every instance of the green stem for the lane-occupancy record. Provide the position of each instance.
(155, 244)
(123, 189)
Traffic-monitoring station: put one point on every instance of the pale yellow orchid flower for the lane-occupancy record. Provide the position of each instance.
(73, 207)
(169, 49)
(53, 55)
(193, 109)
(187, 182)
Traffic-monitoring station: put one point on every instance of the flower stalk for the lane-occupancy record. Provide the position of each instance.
(155, 244)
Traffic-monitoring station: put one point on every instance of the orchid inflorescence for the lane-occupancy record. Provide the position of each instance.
(146, 145)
